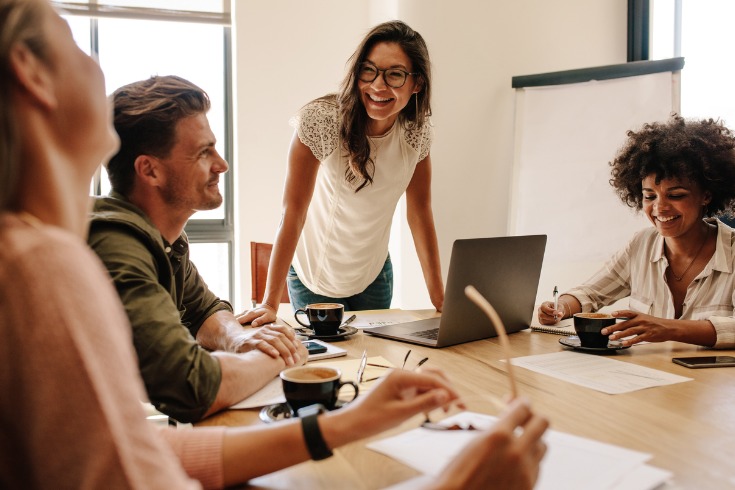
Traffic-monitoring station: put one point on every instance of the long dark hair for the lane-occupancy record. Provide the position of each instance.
(354, 117)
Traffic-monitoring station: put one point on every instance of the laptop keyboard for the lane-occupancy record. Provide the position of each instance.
(431, 334)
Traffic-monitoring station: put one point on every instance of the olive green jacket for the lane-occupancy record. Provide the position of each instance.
(166, 301)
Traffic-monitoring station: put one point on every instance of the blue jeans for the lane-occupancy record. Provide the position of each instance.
(377, 296)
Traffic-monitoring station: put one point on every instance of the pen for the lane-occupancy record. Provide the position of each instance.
(349, 320)
(421, 362)
(380, 365)
(361, 369)
(406, 359)
(556, 300)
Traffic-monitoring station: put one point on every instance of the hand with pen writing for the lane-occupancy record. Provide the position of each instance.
(566, 306)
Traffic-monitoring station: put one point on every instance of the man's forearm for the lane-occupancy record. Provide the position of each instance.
(221, 331)
(243, 375)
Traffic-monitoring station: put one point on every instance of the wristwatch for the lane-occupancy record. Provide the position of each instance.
(312, 434)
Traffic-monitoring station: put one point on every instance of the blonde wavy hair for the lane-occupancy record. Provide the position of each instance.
(21, 22)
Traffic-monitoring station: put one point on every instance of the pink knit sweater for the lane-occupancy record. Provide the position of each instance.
(70, 412)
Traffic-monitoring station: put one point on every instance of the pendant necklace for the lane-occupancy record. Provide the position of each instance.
(679, 278)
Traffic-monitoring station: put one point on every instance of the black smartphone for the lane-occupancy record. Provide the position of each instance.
(314, 347)
(705, 362)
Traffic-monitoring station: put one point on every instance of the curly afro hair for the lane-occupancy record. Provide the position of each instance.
(699, 151)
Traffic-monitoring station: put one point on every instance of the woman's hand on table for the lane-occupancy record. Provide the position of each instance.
(257, 317)
(646, 328)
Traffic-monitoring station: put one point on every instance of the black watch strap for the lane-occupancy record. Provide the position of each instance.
(312, 433)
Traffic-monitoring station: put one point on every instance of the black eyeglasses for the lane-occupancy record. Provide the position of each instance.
(394, 77)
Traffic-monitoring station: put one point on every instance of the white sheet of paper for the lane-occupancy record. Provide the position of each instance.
(644, 477)
(571, 462)
(273, 392)
(270, 394)
(599, 373)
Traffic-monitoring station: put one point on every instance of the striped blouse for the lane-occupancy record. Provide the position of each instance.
(639, 271)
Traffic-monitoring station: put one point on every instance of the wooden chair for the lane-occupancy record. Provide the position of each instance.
(260, 258)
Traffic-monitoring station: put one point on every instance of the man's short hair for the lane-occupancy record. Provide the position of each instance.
(146, 115)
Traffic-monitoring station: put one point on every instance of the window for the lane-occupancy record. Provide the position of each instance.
(193, 42)
(699, 31)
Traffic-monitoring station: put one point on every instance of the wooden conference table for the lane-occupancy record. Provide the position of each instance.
(688, 427)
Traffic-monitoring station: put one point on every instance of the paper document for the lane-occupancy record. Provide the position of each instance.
(273, 392)
(571, 462)
(644, 477)
(599, 373)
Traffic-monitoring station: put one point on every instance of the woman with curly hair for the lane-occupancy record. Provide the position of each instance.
(679, 274)
(352, 157)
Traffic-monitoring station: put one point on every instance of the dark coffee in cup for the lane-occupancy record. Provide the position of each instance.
(588, 327)
(324, 318)
(307, 385)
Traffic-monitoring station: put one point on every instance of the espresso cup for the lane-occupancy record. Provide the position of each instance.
(588, 327)
(307, 385)
(324, 318)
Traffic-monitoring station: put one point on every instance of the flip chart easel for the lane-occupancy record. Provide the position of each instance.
(568, 127)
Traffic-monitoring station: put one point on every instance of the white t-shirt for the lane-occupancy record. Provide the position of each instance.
(344, 243)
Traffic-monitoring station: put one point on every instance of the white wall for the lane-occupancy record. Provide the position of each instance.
(290, 51)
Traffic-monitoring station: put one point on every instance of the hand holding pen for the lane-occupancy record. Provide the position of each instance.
(550, 312)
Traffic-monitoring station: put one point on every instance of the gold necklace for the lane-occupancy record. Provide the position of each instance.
(377, 144)
(679, 278)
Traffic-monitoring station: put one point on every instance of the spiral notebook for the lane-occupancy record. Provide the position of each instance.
(564, 327)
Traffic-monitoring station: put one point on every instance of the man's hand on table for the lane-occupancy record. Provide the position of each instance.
(274, 340)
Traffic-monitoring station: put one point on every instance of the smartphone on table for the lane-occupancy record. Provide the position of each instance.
(314, 347)
(706, 361)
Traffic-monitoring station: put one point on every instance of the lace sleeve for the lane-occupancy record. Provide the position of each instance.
(421, 138)
(317, 126)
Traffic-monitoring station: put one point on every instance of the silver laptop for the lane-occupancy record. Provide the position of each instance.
(505, 270)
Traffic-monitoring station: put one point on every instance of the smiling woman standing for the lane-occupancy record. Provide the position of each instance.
(70, 385)
(679, 274)
(353, 155)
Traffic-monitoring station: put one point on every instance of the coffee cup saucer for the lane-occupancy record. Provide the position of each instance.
(281, 411)
(573, 342)
(342, 334)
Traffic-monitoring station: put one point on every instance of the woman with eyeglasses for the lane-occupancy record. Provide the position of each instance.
(352, 157)
(70, 415)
